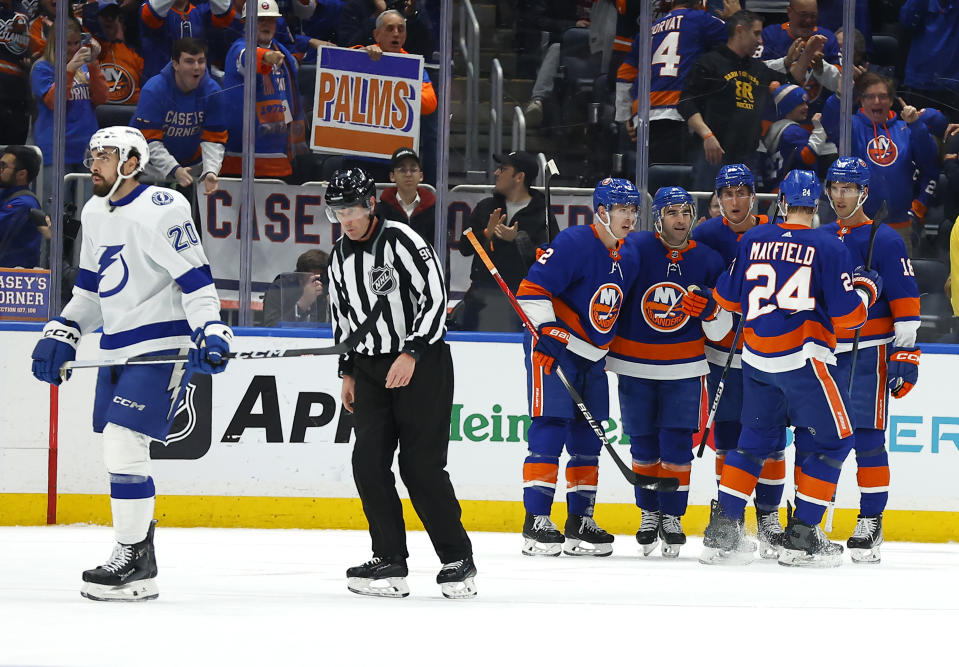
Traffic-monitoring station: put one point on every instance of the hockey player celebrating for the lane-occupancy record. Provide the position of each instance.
(573, 295)
(795, 287)
(735, 190)
(144, 278)
(659, 356)
(887, 357)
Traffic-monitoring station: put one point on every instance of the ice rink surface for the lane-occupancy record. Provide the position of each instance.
(262, 597)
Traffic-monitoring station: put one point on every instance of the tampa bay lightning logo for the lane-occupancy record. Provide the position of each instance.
(162, 198)
(109, 276)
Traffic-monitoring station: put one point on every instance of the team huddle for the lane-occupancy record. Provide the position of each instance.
(805, 327)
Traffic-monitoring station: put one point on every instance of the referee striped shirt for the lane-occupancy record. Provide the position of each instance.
(396, 266)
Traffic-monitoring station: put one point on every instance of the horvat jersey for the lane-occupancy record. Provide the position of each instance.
(581, 283)
(143, 274)
(718, 235)
(896, 312)
(655, 339)
(794, 285)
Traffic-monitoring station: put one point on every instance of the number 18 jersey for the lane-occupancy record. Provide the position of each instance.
(794, 288)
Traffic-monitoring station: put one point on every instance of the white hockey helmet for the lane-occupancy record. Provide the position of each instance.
(127, 141)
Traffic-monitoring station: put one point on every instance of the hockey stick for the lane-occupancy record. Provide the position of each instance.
(720, 387)
(343, 347)
(550, 171)
(636, 479)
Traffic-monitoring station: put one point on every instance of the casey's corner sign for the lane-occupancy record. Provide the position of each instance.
(366, 107)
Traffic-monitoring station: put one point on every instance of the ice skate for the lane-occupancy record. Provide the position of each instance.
(866, 539)
(723, 540)
(380, 577)
(456, 579)
(671, 532)
(770, 533)
(808, 546)
(648, 534)
(541, 536)
(585, 538)
(129, 576)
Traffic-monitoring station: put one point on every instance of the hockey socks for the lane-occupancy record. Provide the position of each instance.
(675, 446)
(539, 483)
(644, 450)
(740, 475)
(872, 472)
(582, 476)
(769, 489)
(131, 499)
(816, 482)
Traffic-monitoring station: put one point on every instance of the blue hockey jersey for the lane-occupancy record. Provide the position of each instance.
(163, 25)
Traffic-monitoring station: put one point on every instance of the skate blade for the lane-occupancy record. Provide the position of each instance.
(459, 590)
(649, 548)
(576, 548)
(392, 587)
(134, 591)
(670, 550)
(796, 558)
(714, 556)
(533, 548)
(865, 556)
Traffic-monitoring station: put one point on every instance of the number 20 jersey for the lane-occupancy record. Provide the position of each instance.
(794, 286)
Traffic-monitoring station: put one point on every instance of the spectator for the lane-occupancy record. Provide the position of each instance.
(220, 41)
(20, 240)
(86, 90)
(359, 19)
(406, 201)
(712, 209)
(40, 25)
(318, 29)
(300, 296)
(788, 144)
(14, 90)
(512, 245)
(165, 21)
(830, 17)
(894, 147)
(280, 128)
(121, 65)
(933, 60)
(182, 115)
(724, 97)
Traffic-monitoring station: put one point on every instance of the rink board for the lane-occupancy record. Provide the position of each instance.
(269, 445)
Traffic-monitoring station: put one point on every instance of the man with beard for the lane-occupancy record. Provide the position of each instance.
(20, 240)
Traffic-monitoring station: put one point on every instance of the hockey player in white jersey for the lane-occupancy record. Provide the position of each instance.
(144, 278)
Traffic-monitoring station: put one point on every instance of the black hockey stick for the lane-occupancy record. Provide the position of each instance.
(720, 387)
(634, 478)
(548, 173)
(351, 341)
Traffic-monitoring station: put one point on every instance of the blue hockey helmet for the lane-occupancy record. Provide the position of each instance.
(612, 191)
(732, 175)
(848, 169)
(800, 188)
(667, 196)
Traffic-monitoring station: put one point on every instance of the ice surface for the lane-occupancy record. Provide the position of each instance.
(261, 597)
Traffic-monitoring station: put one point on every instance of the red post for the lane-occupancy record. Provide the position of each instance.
(52, 459)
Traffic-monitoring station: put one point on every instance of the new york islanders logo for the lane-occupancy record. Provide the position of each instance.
(120, 85)
(661, 307)
(604, 307)
(882, 150)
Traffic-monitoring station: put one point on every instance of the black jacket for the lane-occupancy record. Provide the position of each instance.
(512, 259)
(279, 302)
(423, 220)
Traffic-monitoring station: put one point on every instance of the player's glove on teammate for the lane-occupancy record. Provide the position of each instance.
(551, 346)
(868, 282)
(212, 347)
(57, 345)
(699, 302)
(903, 372)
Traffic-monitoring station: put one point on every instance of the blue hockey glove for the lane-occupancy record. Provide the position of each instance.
(212, 347)
(57, 345)
(551, 346)
(699, 302)
(903, 372)
(868, 282)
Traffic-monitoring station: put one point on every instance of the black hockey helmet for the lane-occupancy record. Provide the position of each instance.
(349, 187)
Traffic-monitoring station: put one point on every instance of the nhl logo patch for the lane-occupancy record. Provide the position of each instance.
(162, 198)
(382, 280)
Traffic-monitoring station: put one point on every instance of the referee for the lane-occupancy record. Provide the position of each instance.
(398, 382)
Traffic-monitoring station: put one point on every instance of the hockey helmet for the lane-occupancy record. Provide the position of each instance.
(848, 170)
(612, 191)
(731, 175)
(800, 188)
(127, 141)
(667, 196)
(348, 188)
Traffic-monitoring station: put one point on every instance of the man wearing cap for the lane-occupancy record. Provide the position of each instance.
(121, 65)
(789, 145)
(407, 201)
(510, 225)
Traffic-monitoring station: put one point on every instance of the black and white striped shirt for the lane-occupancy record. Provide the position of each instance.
(399, 268)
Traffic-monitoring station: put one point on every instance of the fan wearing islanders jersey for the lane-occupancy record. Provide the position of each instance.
(659, 357)
(573, 295)
(886, 355)
(795, 287)
(735, 191)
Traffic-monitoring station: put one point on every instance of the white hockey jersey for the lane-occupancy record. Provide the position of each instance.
(143, 274)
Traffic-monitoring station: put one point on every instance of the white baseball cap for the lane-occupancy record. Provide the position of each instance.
(264, 8)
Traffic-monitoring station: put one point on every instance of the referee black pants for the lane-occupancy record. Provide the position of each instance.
(417, 419)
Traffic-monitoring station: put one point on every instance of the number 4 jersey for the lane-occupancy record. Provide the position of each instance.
(143, 274)
(794, 285)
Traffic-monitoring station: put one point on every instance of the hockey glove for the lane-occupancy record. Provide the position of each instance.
(868, 282)
(212, 346)
(903, 370)
(551, 346)
(699, 302)
(57, 345)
